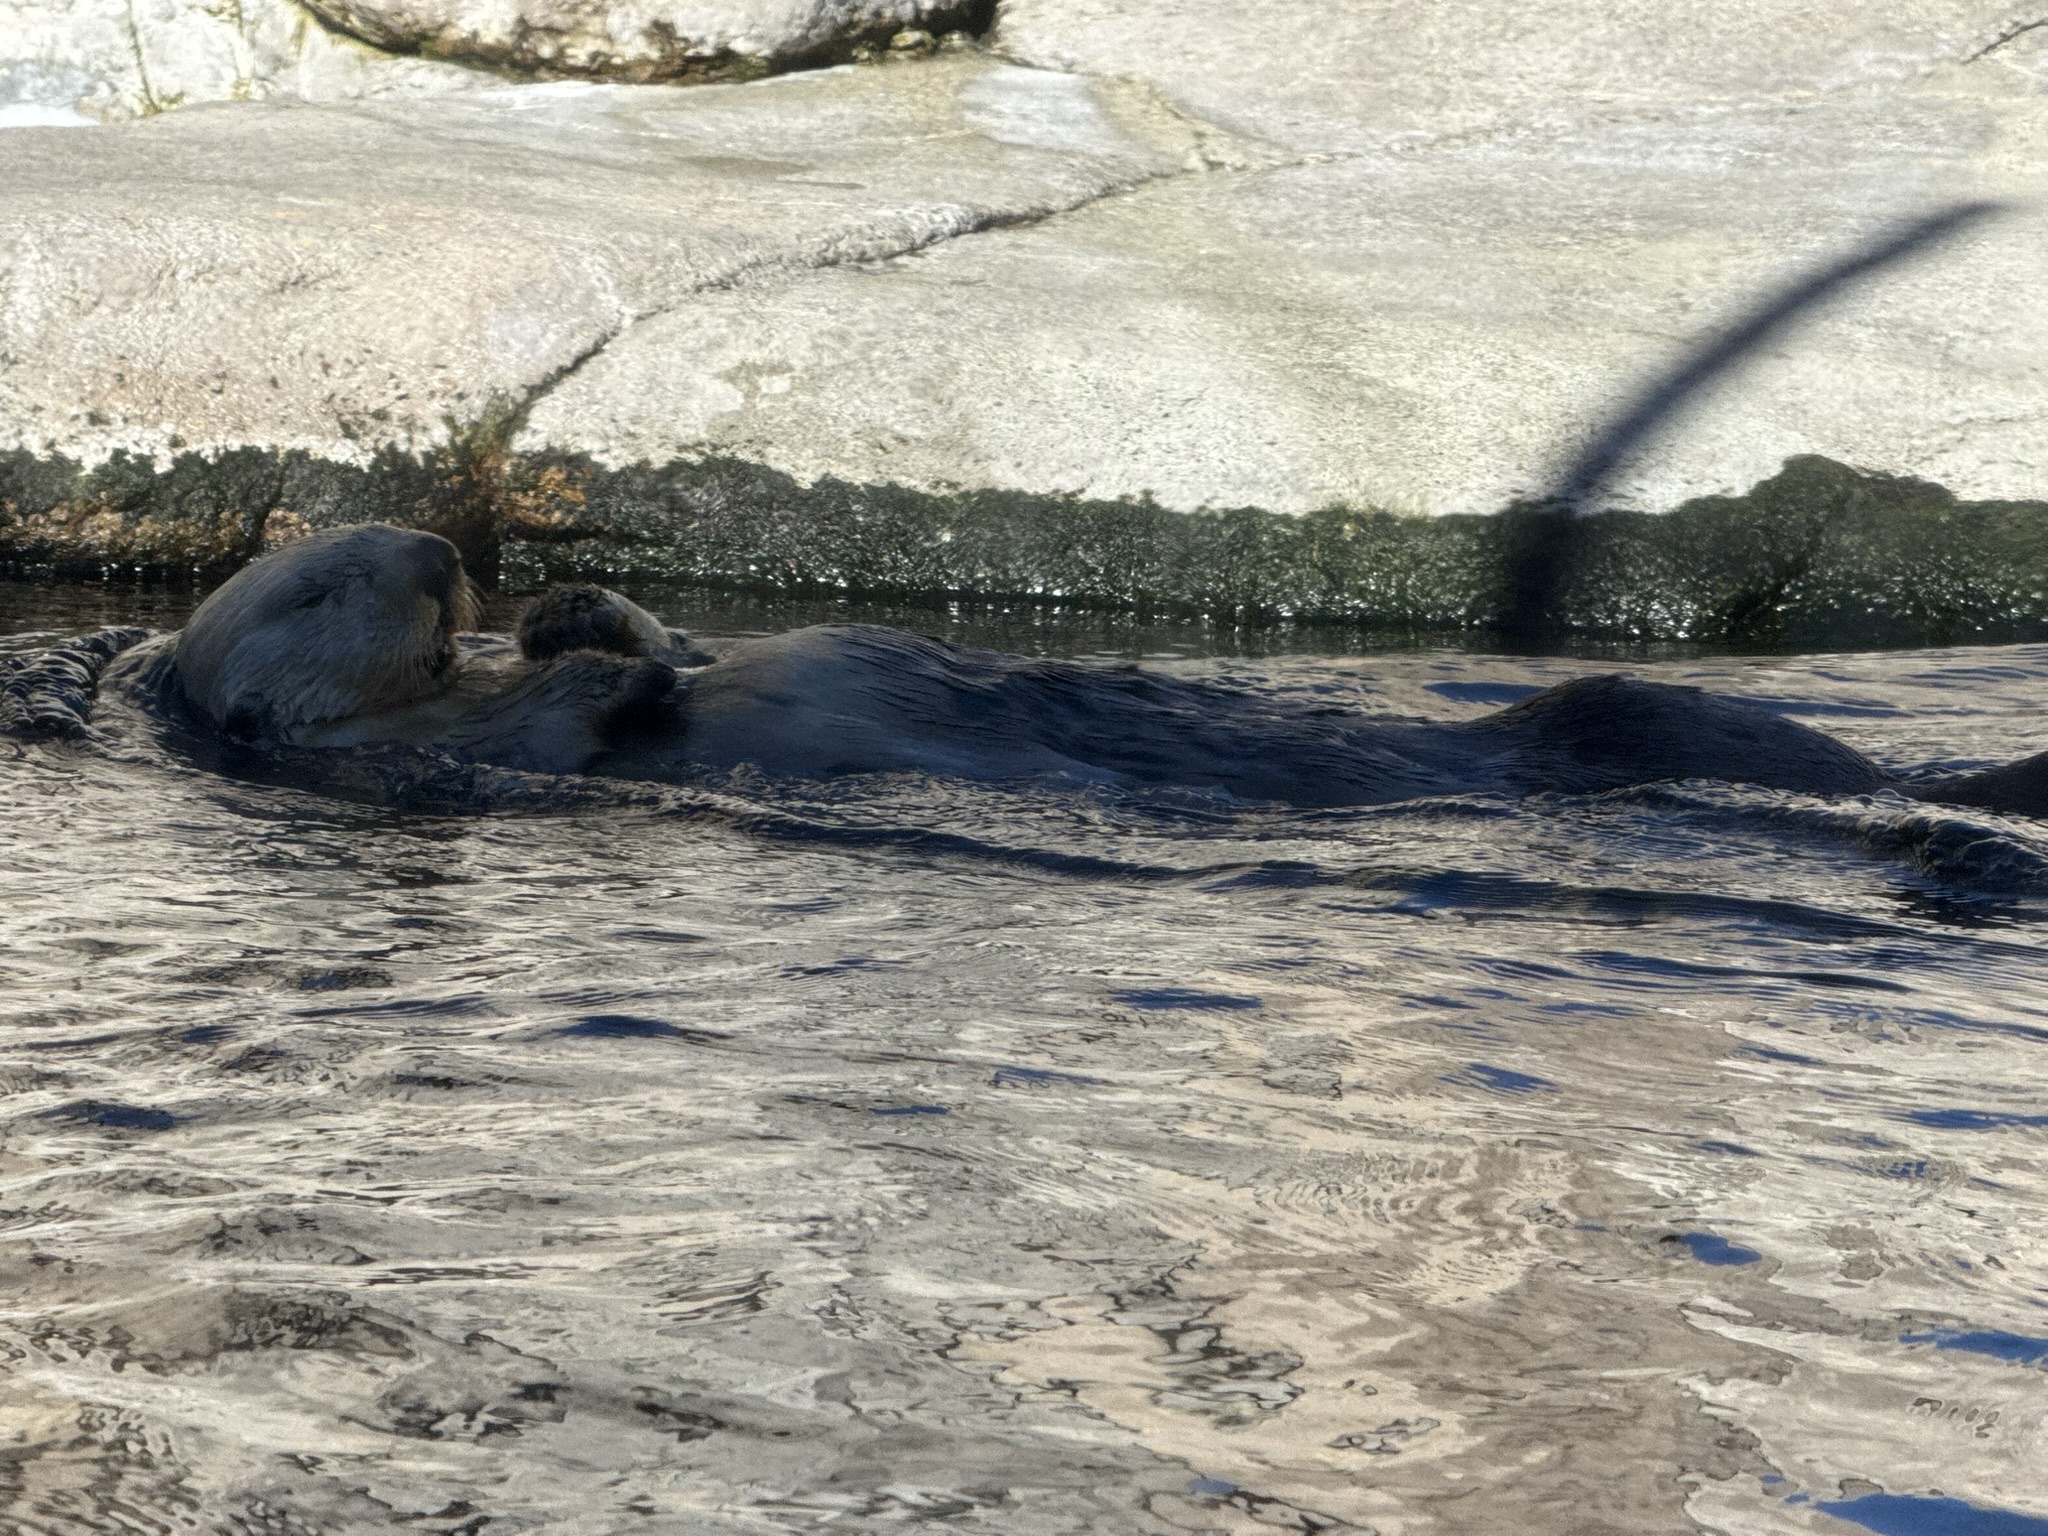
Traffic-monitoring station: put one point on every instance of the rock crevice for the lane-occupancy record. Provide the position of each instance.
(2010, 35)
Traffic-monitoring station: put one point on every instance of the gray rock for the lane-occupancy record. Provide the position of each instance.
(106, 60)
(639, 40)
(342, 281)
(1370, 75)
(1371, 255)
(81, 61)
(1429, 329)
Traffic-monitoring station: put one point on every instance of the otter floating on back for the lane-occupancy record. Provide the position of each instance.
(353, 639)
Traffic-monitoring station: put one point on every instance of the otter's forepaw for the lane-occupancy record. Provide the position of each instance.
(559, 717)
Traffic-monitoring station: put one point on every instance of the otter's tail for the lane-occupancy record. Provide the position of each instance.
(2016, 789)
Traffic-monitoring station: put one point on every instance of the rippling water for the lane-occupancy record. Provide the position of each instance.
(902, 1153)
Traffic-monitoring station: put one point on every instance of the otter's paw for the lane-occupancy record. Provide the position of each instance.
(560, 716)
(685, 652)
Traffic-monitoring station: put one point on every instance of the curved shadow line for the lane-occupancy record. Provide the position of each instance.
(1591, 469)
(1542, 536)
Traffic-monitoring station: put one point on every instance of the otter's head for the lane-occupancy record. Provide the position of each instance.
(582, 617)
(342, 623)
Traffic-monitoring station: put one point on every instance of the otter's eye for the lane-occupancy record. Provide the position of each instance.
(314, 601)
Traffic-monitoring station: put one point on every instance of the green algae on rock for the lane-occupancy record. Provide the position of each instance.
(1819, 556)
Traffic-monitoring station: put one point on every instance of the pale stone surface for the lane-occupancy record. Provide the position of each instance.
(108, 60)
(1364, 74)
(637, 39)
(298, 276)
(1373, 254)
(1428, 329)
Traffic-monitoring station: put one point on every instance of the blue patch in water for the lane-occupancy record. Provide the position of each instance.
(630, 1026)
(1767, 1054)
(74, 1043)
(842, 967)
(1159, 999)
(1732, 1148)
(912, 1109)
(404, 1008)
(1995, 1342)
(1484, 693)
(1844, 979)
(1214, 1487)
(1970, 1119)
(119, 1117)
(206, 1034)
(1898, 1514)
(1718, 1251)
(1039, 1077)
(1280, 875)
(619, 1026)
(1818, 707)
(1500, 1079)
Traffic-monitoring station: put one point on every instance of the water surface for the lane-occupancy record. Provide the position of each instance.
(899, 1153)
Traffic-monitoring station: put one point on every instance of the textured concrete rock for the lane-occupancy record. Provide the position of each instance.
(1426, 329)
(80, 61)
(340, 281)
(643, 39)
(1369, 74)
(76, 61)
(1376, 255)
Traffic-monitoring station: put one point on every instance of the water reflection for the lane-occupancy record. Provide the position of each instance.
(1034, 1159)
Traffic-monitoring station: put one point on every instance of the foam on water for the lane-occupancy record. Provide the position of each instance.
(1033, 1158)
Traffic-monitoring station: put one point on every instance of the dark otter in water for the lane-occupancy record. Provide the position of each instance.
(350, 639)
(583, 617)
(853, 699)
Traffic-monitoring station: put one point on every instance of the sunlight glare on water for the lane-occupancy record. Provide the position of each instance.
(1660, 1160)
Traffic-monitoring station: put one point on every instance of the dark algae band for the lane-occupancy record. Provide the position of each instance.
(1820, 556)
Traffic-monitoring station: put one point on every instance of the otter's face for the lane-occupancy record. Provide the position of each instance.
(339, 624)
(581, 617)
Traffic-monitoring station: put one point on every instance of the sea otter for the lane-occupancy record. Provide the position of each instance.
(582, 617)
(353, 638)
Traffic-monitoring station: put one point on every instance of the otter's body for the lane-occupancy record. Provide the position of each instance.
(859, 699)
(349, 640)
